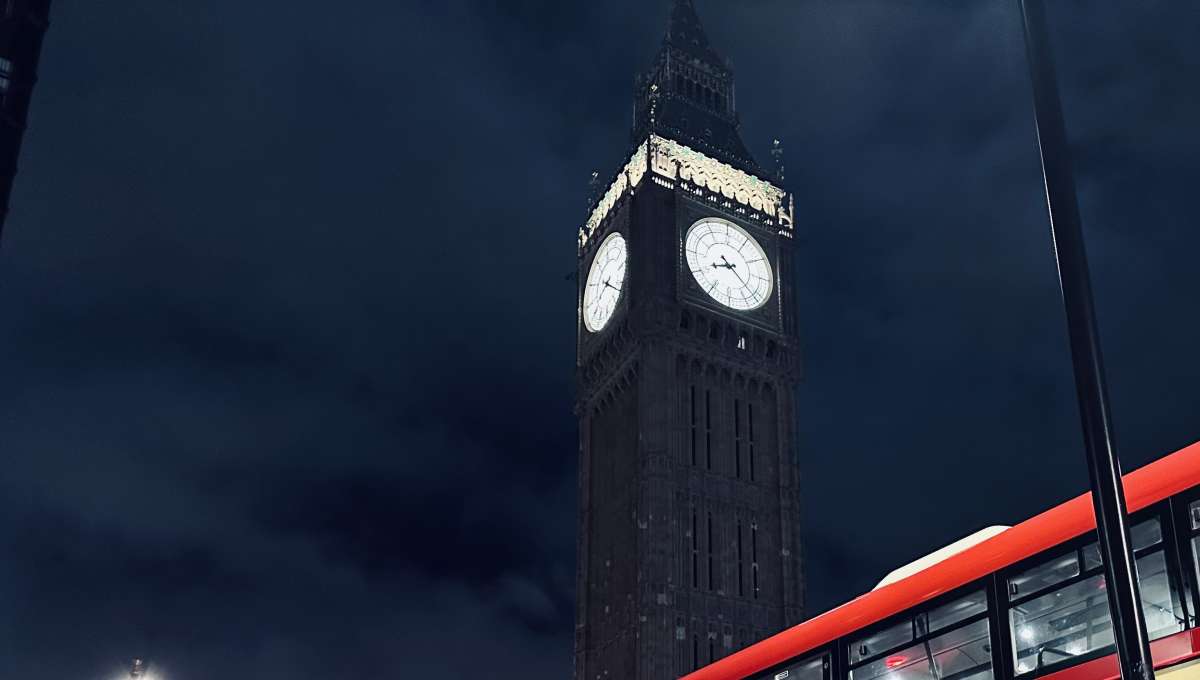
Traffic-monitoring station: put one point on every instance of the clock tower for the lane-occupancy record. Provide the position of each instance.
(687, 364)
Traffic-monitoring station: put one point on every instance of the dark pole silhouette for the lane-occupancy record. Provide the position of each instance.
(1108, 494)
(23, 24)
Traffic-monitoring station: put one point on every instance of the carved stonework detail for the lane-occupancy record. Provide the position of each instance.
(629, 177)
(674, 161)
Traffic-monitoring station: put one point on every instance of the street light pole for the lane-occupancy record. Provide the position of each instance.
(1108, 494)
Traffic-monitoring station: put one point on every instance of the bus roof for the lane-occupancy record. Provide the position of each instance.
(1143, 487)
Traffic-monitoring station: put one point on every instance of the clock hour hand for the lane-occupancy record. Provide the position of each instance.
(606, 283)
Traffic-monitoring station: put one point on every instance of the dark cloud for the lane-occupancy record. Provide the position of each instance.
(288, 348)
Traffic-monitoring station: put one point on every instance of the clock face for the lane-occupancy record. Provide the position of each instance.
(728, 264)
(605, 280)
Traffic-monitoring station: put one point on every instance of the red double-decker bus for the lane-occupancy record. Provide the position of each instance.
(1027, 603)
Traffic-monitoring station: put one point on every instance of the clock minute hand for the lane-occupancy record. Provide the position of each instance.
(733, 268)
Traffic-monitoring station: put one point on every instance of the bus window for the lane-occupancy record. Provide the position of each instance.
(1143, 535)
(950, 641)
(1049, 573)
(1062, 612)
(962, 653)
(813, 669)
(1163, 614)
(880, 641)
(1063, 623)
(952, 613)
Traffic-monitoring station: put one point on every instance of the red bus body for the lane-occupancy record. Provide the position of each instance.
(1144, 487)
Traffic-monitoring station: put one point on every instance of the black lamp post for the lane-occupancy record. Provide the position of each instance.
(1108, 493)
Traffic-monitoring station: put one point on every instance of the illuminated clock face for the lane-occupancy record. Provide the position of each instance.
(605, 281)
(728, 264)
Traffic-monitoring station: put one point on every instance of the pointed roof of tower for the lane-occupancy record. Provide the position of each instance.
(686, 33)
(688, 94)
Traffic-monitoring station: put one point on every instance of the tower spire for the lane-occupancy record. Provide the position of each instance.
(686, 34)
(688, 94)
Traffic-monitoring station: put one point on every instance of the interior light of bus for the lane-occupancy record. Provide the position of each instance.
(895, 661)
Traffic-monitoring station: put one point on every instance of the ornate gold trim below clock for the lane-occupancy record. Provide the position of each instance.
(674, 161)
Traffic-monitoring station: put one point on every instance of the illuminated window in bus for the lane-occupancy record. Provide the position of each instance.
(881, 641)
(1144, 535)
(949, 641)
(1194, 515)
(813, 669)
(1044, 575)
(953, 612)
(1059, 608)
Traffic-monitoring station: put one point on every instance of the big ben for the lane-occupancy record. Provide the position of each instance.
(687, 364)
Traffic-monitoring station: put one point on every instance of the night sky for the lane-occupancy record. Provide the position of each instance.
(286, 347)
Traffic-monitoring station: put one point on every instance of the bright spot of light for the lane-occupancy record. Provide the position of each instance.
(1026, 633)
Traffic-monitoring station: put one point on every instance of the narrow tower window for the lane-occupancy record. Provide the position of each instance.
(695, 652)
(695, 553)
(737, 438)
(750, 435)
(740, 560)
(708, 428)
(754, 557)
(692, 420)
(6, 73)
(710, 552)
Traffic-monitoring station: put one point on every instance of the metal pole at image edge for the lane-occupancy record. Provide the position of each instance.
(1108, 494)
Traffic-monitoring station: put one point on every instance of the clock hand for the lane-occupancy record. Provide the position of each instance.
(733, 268)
